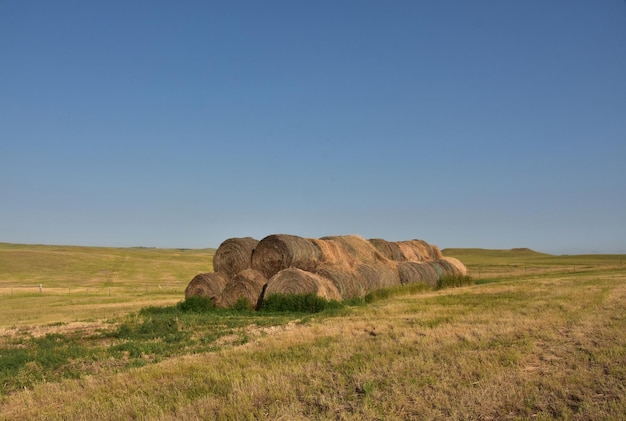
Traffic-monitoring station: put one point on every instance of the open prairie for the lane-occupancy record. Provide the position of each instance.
(107, 337)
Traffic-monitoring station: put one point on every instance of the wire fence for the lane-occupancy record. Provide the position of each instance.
(80, 290)
(497, 271)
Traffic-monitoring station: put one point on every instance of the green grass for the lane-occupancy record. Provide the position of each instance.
(545, 344)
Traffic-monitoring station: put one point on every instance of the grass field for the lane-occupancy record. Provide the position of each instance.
(546, 342)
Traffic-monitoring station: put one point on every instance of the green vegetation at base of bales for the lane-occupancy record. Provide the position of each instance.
(298, 303)
(158, 332)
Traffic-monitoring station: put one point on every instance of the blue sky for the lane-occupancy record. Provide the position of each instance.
(492, 124)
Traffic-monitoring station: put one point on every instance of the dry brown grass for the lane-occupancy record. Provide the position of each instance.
(549, 347)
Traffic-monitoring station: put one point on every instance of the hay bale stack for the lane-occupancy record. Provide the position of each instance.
(357, 248)
(332, 253)
(389, 249)
(419, 251)
(418, 272)
(452, 266)
(207, 285)
(378, 276)
(281, 251)
(345, 279)
(298, 281)
(248, 283)
(234, 255)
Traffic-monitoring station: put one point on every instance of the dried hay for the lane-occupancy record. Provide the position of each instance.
(298, 281)
(378, 276)
(345, 279)
(234, 255)
(452, 266)
(420, 272)
(248, 283)
(332, 252)
(419, 251)
(357, 248)
(208, 285)
(389, 249)
(281, 251)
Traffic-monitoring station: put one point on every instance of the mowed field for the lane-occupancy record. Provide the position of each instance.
(536, 337)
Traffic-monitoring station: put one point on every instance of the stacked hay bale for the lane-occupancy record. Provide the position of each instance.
(335, 268)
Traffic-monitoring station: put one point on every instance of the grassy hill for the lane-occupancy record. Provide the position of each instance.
(492, 263)
(91, 282)
(545, 345)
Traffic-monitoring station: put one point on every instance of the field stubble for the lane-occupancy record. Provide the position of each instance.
(546, 346)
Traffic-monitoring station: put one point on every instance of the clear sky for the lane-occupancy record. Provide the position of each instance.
(483, 123)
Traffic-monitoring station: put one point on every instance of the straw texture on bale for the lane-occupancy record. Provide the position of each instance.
(207, 285)
(389, 249)
(298, 281)
(378, 276)
(344, 278)
(248, 283)
(234, 255)
(452, 266)
(281, 251)
(418, 272)
(357, 248)
(333, 253)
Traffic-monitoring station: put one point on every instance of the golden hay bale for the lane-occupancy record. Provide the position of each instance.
(359, 249)
(298, 281)
(281, 251)
(345, 279)
(419, 250)
(452, 266)
(248, 284)
(331, 252)
(389, 249)
(234, 255)
(420, 272)
(378, 276)
(435, 252)
(208, 285)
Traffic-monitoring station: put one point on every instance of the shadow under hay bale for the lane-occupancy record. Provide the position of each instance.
(234, 255)
(418, 272)
(298, 281)
(207, 285)
(281, 251)
(248, 284)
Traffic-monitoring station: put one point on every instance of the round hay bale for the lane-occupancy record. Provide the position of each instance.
(234, 255)
(377, 276)
(388, 249)
(419, 250)
(331, 252)
(359, 249)
(344, 278)
(208, 285)
(248, 283)
(435, 252)
(281, 251)
(420, 272)
(298, 281)
(452, 266)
